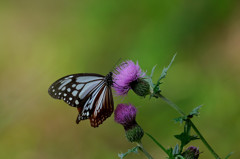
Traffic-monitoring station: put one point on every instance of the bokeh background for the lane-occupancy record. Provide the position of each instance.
(41, 41)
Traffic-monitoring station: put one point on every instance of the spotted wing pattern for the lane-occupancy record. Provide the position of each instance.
(89, 92)
(74, 88)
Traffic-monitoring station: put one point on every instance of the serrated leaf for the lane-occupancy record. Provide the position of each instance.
(165, 69)
(133, 150)
(185, 138)
(180, 119)
(195, 111)
(155, 87)
(153, 69)
(149, 80)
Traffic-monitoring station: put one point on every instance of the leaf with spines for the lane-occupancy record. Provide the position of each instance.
(150, 80)
(155, 90)
(185, 136)
(133, 150)
(180, 119)
(153, 69)
(165, 69)
(194, 112)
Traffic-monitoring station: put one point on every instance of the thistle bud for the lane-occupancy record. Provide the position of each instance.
(191, 153)
(134, 134)
(141, 87)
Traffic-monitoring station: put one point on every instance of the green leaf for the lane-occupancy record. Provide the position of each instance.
(176, 150)
(165, 69)
(155, 89)
(153, 69)
(180, 119)
(149, 80)
(185, 136)
(133, 150)
(195, 111)
(228, 155)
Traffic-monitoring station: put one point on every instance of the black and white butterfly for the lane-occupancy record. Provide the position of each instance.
(90, 93)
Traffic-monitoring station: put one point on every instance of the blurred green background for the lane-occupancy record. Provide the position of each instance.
(41, 41)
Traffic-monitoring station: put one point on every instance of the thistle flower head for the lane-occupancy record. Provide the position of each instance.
(191, 153)
(125, 115)
(127, 76)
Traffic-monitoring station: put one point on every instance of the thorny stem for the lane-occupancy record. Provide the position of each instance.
(144, 151)
(174, 106)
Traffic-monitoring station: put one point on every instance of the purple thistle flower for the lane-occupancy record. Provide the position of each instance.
(126, 115)
(126, 74)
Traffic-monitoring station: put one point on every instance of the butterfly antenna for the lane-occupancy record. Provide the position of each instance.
(116, 64)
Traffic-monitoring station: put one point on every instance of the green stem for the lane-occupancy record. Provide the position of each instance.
(144, 151)
(204, 141)
(173, 105)
(157, 142)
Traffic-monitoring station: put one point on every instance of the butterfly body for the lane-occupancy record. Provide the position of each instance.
(90, 93)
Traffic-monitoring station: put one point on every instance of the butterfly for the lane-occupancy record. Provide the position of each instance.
(90, 93)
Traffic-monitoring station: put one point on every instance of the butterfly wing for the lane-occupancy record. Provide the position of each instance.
(74, 89)
(90, 93)
(98, 106)
(103, 108)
